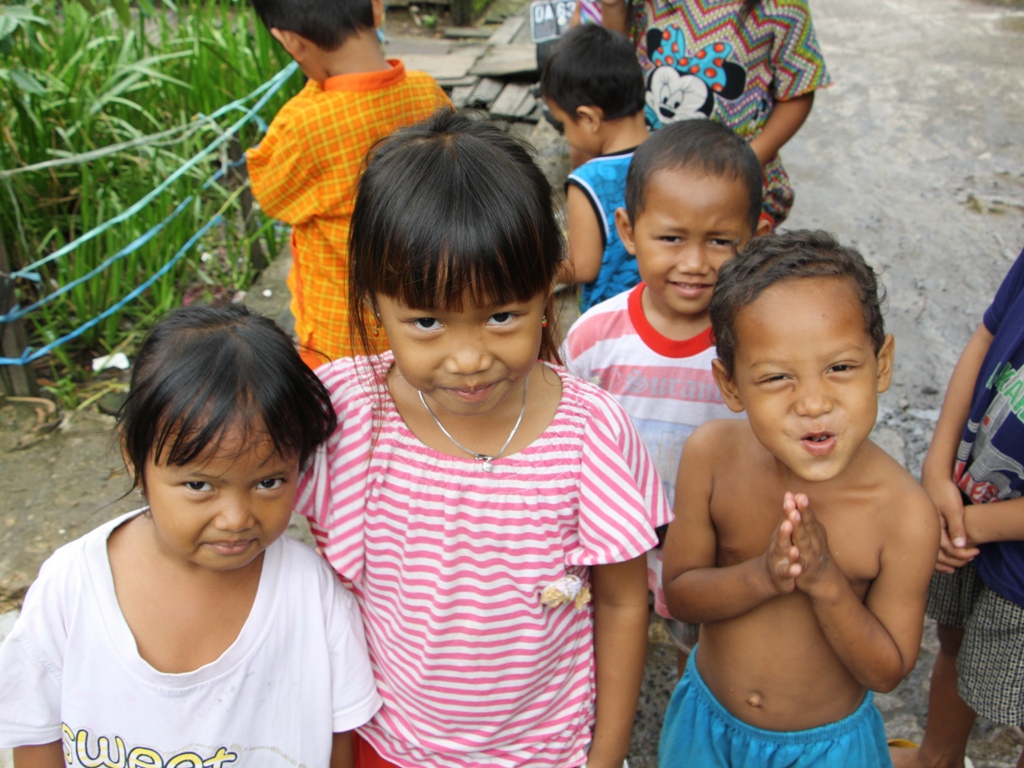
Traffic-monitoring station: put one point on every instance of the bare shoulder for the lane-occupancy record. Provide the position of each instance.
(906, 508)
(722, 436)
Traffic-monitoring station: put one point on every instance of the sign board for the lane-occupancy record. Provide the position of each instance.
(549, 19)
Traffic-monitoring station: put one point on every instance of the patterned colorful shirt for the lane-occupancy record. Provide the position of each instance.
(700, 62)
(305, 171)
(448, 563)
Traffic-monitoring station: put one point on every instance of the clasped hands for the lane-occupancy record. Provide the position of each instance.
(798, 556)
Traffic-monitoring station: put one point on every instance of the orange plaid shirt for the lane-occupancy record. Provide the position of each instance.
(305, 172)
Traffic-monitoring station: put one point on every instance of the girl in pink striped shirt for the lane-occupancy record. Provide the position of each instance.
(491, 512)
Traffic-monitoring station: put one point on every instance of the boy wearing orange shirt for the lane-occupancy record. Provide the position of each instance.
(305, 170)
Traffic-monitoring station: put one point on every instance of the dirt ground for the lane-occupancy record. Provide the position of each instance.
(914, 155)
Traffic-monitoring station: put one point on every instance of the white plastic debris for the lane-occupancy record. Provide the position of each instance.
(267, 293)
(118, 360)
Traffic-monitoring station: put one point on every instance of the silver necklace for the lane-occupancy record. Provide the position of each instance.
(487, 460)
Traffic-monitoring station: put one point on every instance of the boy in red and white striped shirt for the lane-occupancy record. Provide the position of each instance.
(693, 196)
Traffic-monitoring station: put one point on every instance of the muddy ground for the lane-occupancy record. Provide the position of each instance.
(914, 155)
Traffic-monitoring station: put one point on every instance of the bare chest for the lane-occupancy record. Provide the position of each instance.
(747, 517)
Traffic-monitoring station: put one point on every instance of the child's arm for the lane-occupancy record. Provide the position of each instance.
(696, 590)
(40, 756)
(784, 121)
(877, 640)
(995, 521)
(341, 751)
(937, 469)
(586, 248)
(620, 647)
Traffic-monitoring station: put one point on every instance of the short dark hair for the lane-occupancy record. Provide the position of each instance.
(594, 67)
(451, 205)
(695, 145)
(204, 370)
(325, 23)
(784, 255)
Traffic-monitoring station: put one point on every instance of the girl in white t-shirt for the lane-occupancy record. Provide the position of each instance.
(191, 633)
(474, 496)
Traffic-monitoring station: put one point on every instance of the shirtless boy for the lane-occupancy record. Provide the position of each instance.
(802, 548)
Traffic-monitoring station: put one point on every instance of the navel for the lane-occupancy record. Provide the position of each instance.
(755, 699)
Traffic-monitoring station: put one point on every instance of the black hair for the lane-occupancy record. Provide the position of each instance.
(594, 67)
(703, 146)
(449, 205)
(325, 23)
(204, 370)
(784, 255)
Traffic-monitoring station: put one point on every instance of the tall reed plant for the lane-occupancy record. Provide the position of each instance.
(74, 79)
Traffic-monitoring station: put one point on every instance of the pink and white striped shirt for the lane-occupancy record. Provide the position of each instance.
(448, 563)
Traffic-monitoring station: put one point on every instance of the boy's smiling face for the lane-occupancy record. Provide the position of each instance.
(806, 372)
(690, 225)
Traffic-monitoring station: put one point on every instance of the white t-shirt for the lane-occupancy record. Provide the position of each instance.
(297, 672)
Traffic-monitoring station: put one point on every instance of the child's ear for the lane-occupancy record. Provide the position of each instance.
(378, 13)
(886, 359)
(292, 42)
(590, 118)
(727, 386)
(625, 228)
(764, 227)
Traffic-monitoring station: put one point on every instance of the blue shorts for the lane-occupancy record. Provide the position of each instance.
(700, 733)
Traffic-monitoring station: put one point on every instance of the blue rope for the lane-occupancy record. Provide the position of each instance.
(134, 245)
(271, 87)
(28, 356)
(268, 89)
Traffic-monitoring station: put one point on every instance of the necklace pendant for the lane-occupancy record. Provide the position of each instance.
(487, 465)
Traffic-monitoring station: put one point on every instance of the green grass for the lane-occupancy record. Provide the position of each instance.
(77, 78)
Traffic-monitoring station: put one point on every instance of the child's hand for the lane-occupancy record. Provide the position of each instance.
(781, 558)
(811, 541)
(953, 546)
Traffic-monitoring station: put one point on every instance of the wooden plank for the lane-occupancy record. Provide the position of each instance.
(507, 60)
(461, 94)
(461, 33)
(510, 102)
(239, 176)
(486, 91)
(449, 84)
(451, 66)
(19, 380)
(533, 116)
(508, 30)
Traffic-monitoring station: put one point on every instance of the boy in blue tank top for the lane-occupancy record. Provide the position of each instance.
(594, 89)
(974, 475)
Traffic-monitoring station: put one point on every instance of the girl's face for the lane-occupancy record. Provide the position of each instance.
(222, 510)
(467, 363)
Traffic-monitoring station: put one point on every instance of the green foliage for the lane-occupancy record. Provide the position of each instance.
(88, 74)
